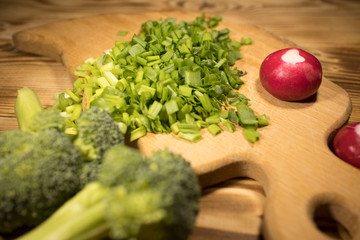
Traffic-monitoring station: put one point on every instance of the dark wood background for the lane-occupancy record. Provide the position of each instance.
(330, 29)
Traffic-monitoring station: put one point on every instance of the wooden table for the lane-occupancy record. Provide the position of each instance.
(233, 209)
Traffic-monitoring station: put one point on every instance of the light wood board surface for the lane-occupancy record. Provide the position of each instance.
(205, 222)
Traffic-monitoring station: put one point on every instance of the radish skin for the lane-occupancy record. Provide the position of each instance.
(346, 144)
(291, 74)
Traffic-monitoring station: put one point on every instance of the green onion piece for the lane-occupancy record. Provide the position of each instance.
(136, 49)
(81, 73)
(168, 55)
(246, 41)
(172, 118)
(137, 133)
(251, 134)
(72, 131)
(76, 111)
(141, 60)
(175, 127)
(139, 41)
(188, 127)
(230, 127)
(206, 37)
(171, 107)
(246, 115)
(148, 89)
(204, 100)
(214, 129)
(152, 58)
(110, 78)
(185, 90)
(193, 78)
(262, 120)
(154, 110)
(192, 137)
(214, 119)
(72, 95)
(122, 33)
(232, 116)
(139, 76)
(224, 114)
(102, 82)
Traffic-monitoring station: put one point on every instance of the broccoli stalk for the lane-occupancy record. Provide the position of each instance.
(27, 104)
(78, 217)
(135, 197)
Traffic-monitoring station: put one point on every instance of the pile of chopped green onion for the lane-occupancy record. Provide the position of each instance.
(171, 77)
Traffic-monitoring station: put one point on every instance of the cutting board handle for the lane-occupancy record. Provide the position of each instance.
(288, 215)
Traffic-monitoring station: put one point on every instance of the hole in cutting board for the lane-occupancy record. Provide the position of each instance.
(232, 209)
(333, 219)
(326, 223)
(232, 203)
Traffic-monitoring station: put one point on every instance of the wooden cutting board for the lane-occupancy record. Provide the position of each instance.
(292, 160)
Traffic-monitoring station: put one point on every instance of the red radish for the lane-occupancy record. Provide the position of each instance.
(347, 144)
(291, 74)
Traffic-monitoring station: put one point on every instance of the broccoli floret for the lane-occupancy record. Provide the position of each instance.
(135, 197)
(97, 132)
(39, 172)
(92, 133)
(47, 119)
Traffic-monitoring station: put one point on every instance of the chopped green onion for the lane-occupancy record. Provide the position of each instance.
(214, 129)
(171, 77)
(72, 95)
(171, 107)
(246, 115)
(262, 120)
(214, 119)
(154, 110)
(137, 133)
(122, 33)
(192, 137)
(188, 127)
(251, 134)
(230, 127)
(185, 90)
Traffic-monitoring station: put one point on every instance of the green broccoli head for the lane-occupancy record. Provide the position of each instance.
(180, 193)
(38, 174)
(97, 132)
(159, 195)
(47, 119)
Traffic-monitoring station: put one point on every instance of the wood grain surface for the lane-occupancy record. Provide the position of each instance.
(329, 29)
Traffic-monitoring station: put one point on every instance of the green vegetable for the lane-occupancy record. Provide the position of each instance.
(51, 159)
(170, 72)
(39, 172)
(136, 197)
(47, 119)
(27, 104)
(96, 133)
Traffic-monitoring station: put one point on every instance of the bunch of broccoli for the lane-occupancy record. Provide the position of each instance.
(87, 184)
(135, 197)
(41, 166)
